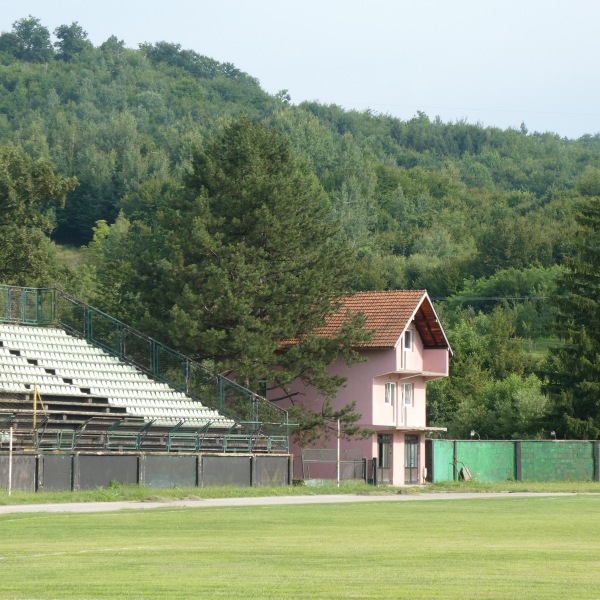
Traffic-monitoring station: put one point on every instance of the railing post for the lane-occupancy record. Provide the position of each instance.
(53, 309)
(87, 324)
(121, 343)
(186, 375)
(154, 358)
(221, 393)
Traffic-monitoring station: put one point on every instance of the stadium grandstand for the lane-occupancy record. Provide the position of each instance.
(75, 379)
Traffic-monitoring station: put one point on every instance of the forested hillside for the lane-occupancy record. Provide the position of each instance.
(136, 157)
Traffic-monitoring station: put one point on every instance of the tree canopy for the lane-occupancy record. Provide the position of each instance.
(29, 192)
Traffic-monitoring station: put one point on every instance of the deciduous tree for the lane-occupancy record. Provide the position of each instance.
(29, 189)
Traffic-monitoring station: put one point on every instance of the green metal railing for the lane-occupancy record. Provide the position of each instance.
(52, 307)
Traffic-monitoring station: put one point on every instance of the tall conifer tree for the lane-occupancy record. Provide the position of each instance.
(574, 380)
(248, 257)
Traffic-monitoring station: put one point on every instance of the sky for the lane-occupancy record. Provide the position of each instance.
(499, 63)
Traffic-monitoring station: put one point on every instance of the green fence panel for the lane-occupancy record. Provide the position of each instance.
(557, 460)
(487, 460)
(443, 461)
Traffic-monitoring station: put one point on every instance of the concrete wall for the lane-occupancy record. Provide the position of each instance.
(529, 460)
(80, 471)
(488, 461)
(548, 461)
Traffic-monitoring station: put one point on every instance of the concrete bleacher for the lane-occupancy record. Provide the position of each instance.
(84, 389)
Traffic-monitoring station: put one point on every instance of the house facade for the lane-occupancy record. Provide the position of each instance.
(408, 349)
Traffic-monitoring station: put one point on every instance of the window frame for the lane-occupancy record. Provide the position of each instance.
(410, 396)
(391, 393)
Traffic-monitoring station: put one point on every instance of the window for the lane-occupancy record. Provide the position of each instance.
(407, 394)
(390, 393)
(408, 340)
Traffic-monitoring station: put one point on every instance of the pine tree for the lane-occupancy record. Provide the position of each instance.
(247, 257)
(574, 367)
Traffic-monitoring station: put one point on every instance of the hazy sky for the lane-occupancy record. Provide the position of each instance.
(494, 62)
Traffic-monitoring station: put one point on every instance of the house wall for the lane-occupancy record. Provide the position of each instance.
(436, 360)
(413, 357)
(365, 386)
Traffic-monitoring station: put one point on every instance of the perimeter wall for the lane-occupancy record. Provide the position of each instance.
(527, 460)
(64, 471)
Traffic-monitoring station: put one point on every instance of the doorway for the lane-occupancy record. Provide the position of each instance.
(411, 459)
(384, 458)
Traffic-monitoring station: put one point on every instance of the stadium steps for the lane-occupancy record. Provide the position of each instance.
(93, 400)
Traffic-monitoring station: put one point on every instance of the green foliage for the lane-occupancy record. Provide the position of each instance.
(29, 192)
(72, 40)
(526, 292)
(244, 258)
(574, 367)
(492, 387)
(28, 41)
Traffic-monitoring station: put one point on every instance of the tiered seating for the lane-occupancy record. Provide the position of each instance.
(81, 384)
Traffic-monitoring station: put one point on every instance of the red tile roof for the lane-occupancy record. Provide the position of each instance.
(388, 314)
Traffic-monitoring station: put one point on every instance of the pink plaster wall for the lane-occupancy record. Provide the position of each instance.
(437, 360)
(365, 386)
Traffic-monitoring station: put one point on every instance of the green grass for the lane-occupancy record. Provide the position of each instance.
(544, 547)
(69, 255)
(120, 492)
(580, 487)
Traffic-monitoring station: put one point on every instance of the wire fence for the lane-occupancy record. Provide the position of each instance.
(322, 463)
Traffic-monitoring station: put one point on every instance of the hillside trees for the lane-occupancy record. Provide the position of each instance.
(29, 192)
(492, 388)
(72, 40)
(464, 211)
(29, 40)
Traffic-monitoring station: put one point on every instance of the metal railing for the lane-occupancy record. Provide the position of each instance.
(53, 307)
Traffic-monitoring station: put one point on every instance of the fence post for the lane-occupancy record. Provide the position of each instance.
(518, 463)
(596, 460)
(186, 375)
(154, 358)
(141, 470)
(454, 459)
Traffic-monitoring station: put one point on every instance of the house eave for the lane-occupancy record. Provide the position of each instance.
(409, 428)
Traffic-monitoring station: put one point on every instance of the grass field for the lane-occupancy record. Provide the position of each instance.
(544, 547)
(120, 492)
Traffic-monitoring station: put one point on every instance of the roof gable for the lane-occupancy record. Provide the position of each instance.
(388, 314)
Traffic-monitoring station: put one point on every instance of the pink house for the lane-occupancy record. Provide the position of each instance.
(408, 349)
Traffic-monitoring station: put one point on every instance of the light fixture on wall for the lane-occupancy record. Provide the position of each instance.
(473, 434)
(553, 435)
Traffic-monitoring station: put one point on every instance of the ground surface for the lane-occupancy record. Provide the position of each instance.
(264, 501)
(446, 546)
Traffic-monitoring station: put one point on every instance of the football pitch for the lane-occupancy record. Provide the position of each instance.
(539, 547)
